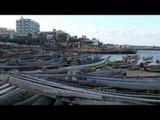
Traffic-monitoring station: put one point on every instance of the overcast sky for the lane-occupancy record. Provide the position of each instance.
(116, 29)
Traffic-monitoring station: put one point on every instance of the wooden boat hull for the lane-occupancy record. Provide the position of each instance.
(68, 92)
(155, 68)
(86, 66)
(127, 83)
(121, 65)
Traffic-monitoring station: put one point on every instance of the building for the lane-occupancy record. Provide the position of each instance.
(74, 37)
(90, 43)
(7, 33)
(68, 37)
(47, 38)
(26, 26)
(95, 42)
(84, 37)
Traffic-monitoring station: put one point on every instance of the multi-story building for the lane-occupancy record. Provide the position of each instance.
(74, 37)
(68, 37)
(6, 33)
(47, 38)
(26, 26)
(84, 37)
(95, 42)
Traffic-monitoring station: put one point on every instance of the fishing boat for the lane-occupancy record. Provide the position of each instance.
(127, 61)
(137, 83)
(86, 66)
(79, 94)
(119, 64)
(2, 60)
(15, 64)
(153, 68)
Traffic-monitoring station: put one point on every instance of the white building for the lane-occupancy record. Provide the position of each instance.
(68, 37)
(27, 26)
(95, 42)
(47, 38)
(7, 33)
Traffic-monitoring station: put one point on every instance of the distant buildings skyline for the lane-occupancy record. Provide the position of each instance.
(113, 29)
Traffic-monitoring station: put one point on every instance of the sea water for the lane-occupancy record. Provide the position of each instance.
(141, 53)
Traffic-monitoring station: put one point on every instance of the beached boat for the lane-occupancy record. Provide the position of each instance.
(77, 93)
(137, 83)
(86, 66)
(29, 65)
(152, 67)
(127, 61)
(119, 64)
(3, 60)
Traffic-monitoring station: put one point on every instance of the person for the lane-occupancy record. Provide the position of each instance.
(79, 61)
(17, 62)
(68, 62)
(124, 75)
(141, 66)
(157, 61)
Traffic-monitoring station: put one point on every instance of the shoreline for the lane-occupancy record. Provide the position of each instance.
(106, 52)
(158, 49)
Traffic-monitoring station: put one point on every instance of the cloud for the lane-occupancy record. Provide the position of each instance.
(130, 33)
(133, 37)
(130, 36)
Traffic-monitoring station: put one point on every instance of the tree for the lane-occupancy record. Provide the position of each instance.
(61, 37)
(29, 36)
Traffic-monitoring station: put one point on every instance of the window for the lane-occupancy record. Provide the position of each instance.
(18, 23)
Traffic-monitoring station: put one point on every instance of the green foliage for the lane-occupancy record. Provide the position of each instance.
(22, 40)
(62, 37)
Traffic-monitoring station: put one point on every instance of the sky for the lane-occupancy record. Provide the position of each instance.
(113, 29)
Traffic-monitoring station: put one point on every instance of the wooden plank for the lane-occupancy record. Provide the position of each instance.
(4, 86)
(6, 90)
(32, 72)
